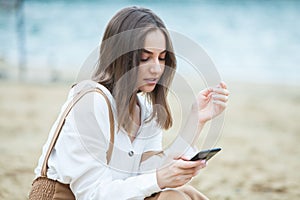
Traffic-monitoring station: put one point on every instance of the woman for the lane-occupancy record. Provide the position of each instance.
(136, 67)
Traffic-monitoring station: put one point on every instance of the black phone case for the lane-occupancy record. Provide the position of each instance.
(206, 154)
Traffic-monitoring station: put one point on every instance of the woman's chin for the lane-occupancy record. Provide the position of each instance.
(147, 88)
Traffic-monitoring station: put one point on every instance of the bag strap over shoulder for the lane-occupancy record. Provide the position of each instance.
(62, 121)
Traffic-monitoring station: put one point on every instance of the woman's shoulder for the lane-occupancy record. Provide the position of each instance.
(88, 101)
(86, 85)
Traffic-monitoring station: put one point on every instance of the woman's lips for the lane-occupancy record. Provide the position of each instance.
(151, 81)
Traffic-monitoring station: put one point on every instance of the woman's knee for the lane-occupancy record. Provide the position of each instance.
(173, 194)
(193, 193)
(185, 192)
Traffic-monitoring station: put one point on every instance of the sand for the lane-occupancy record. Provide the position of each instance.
(259, 160)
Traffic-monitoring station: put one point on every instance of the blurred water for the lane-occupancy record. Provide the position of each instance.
(248, 40)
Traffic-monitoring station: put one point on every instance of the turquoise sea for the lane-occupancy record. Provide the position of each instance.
(256, 41)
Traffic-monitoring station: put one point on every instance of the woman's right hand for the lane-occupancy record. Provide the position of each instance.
(178, 173)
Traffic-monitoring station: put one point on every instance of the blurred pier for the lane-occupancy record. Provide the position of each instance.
(17, 7)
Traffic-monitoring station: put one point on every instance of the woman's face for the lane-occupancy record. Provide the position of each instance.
(152, 61)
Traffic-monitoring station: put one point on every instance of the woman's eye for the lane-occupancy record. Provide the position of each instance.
(164, 58)
(144, 59)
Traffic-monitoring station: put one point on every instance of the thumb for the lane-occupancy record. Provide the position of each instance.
(184, 158)
(206, 91)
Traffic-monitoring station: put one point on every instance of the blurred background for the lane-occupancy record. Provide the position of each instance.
(248, 40)
(255, 46)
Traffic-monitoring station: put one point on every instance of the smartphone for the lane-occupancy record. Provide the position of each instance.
(206, 154)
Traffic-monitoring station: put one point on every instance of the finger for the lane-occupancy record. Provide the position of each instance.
(218, 97)
(223, 85)
(203, 165)
(200, 167)
(190, 171)
(221, 91)
(188, 164)
(206, 91)
(184, 158)
(220, 103)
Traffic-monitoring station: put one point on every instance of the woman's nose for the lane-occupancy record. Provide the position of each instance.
(155, 66)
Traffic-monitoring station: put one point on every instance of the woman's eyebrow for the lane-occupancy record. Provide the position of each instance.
(150, 52)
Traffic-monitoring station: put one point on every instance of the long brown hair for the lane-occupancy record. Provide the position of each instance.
(120, 53)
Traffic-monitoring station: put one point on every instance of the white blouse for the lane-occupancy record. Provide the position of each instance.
(79, 156)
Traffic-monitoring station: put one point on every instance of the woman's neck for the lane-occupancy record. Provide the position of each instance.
(136, 117)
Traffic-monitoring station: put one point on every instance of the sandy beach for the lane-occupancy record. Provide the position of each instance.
(259, 160)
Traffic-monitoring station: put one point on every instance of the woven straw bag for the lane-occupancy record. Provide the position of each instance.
(44, 188)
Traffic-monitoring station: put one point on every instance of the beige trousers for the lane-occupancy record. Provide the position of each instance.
(185, 192)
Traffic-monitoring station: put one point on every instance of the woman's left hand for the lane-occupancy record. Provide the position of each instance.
(211, 102)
